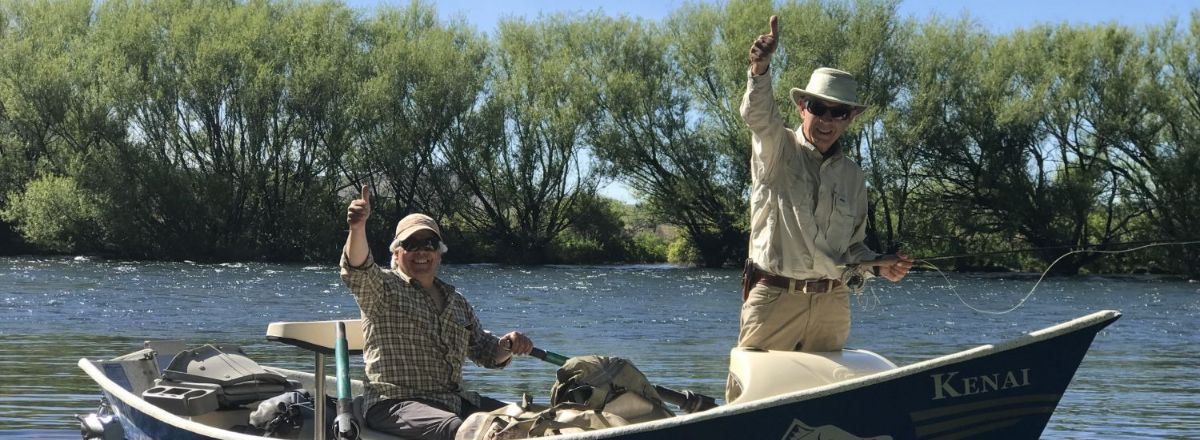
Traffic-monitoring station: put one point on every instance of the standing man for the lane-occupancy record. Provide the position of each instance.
(808, 213)
(418, 331)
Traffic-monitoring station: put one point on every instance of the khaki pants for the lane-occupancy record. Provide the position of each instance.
(775, 318)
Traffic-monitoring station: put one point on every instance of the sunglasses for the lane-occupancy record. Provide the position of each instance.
(819, 109)
(425, 244)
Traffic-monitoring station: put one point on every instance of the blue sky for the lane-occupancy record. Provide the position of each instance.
(996, 15)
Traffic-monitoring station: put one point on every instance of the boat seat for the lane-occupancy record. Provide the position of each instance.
(212, 377)
(320, 337)
(317, 336)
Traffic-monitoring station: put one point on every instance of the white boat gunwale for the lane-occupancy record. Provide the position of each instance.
(856, 383)
(1098, 318)
(139, 404)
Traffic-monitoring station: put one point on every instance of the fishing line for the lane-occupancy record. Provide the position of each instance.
(1039, 281)
(1044, 248)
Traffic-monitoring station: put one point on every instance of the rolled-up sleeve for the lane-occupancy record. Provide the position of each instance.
(484, 345)
(365, 281)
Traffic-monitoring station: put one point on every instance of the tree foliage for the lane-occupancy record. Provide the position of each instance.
(520, 156)
(238, 130)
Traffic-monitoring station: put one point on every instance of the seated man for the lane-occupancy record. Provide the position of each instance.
(417, 331)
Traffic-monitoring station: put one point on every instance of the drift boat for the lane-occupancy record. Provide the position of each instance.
(1004, 391)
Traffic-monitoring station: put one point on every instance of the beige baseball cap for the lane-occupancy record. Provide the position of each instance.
(412, 223)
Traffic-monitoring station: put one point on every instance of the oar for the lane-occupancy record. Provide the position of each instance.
(687, 400)
(344, 426)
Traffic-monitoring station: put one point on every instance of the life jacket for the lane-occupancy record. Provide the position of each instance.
(610, 384)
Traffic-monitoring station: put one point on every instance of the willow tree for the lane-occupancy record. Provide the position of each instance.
(942, 59)
(236, 113)
(422, 79)
(1094, 87)
(1015, 132)
(56, 121)
(1161, 165)
(648, 132)
(521, 154)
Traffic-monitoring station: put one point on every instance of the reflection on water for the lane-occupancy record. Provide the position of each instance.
(677, 325)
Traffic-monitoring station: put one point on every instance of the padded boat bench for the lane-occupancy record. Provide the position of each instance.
(319, 337)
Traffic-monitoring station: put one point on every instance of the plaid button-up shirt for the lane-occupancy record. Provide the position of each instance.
(412, 350)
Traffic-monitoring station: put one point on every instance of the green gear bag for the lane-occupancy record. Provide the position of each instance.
(610, 384)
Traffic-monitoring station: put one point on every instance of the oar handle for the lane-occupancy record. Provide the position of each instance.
(344, 426)
(343, 361)
(549, 356)
(686, 400)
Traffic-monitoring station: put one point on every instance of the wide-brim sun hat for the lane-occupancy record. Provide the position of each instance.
(832, 85)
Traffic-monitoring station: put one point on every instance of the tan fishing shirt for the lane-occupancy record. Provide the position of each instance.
(412, 350)
(808, 212)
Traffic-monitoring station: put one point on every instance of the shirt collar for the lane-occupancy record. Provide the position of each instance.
(834, 151)
(437, 282)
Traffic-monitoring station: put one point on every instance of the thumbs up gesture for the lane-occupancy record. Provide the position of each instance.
(359, 209)
(763, 47)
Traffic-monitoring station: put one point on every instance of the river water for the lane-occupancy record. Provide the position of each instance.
(1140, 379)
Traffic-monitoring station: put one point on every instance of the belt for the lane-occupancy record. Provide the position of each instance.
(804, 286)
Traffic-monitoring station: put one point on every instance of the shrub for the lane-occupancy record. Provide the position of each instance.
(55, 214)
(682, 251)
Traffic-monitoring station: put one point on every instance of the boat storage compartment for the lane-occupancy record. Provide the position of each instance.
(190, 399)
(210, 377)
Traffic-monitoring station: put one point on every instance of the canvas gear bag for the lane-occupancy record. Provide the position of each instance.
(610, 384)
(527, 420)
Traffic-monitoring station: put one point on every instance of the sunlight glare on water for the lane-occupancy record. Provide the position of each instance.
(676, 324)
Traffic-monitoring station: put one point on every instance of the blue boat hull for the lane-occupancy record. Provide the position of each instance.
(1005, 391)
(140, 426)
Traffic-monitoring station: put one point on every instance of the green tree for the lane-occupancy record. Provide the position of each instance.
(520, 154)
(1093, 83)
(597, 235)
(56, 214)
(1160, 155)
(423, 78)
(646, 134)
(57, 118)
(1006, 127)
